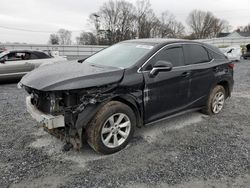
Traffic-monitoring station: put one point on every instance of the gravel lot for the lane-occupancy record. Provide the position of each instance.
(192, 150)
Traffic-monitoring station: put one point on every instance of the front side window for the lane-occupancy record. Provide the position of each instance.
(195, 54)
(15, 56)
(172, 55)
(12, 57)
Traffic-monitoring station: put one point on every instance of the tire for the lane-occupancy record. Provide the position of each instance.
(217, 97)
(105, 127)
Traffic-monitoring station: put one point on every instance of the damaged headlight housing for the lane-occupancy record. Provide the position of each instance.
(54, 103)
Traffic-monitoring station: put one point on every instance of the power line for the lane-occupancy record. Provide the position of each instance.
(32, 31)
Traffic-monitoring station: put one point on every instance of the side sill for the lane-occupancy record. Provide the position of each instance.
(174, 115)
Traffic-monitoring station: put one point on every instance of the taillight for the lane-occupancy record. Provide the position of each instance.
(231, 65)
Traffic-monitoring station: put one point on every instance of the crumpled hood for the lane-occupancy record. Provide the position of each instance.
(71, 75)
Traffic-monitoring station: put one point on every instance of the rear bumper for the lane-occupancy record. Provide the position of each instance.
(47, 120)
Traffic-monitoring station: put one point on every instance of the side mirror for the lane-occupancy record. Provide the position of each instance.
(160, 66)
(81, 60)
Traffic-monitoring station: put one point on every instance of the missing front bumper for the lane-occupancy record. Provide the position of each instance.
(47, 120)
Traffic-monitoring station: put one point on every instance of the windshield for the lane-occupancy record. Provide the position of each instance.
(3, 54)
(121, 55)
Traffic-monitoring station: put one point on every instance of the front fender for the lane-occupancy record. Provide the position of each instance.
(88, 114)
(90, 111)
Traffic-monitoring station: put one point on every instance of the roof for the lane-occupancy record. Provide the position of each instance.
(164, 41)
(20, 50)
(156, 41)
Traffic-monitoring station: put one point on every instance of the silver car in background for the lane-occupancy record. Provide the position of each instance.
(14, 64)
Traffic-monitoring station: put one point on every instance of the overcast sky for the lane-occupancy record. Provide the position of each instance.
(51, 15)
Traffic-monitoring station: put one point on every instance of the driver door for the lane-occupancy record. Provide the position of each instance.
(167, 92)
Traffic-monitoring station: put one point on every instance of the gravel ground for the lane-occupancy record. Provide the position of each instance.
(192, 150)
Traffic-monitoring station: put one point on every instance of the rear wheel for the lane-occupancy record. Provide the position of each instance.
(111, 128)
(215, 101)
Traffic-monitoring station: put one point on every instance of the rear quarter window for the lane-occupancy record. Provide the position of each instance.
(33, 56)
(216, 54)
(41, 55)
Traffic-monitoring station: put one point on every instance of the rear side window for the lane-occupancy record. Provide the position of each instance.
(173, 55)
(42, 55)
(33, 56)
(39, 55)
(195, 54)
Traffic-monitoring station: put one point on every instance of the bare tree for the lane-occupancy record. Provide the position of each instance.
(219, 26)
(126, 21)
(114, 22)
(86, 38)
(119, 20)
(116, 19)
(147, 22)
(53, 39)
(169, 27)
(205, 24)
(64, 36)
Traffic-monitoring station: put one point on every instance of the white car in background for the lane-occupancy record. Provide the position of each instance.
(233, 53)
(14, 64)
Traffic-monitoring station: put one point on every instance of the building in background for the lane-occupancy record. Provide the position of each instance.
(235, 34)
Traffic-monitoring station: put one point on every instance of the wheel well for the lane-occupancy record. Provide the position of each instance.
(134, 107)
(225, 84)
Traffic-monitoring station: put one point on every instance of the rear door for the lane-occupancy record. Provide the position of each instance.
(35, 60)
(200, 64)
(166, 93)
(39, 58)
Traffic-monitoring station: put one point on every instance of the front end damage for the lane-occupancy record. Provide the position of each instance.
(66, 114)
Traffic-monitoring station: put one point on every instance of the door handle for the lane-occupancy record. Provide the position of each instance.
(185, 74)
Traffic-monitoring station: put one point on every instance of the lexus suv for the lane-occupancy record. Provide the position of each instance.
(130, 84)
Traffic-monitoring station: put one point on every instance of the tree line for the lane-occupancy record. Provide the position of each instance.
(118, 20)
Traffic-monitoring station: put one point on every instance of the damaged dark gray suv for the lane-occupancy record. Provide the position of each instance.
(127, 85)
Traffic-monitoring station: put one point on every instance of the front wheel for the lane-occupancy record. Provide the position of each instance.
(215, 101)
(111, 128)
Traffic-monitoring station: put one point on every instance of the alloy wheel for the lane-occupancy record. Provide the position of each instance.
(115, 130)
(218, 102)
